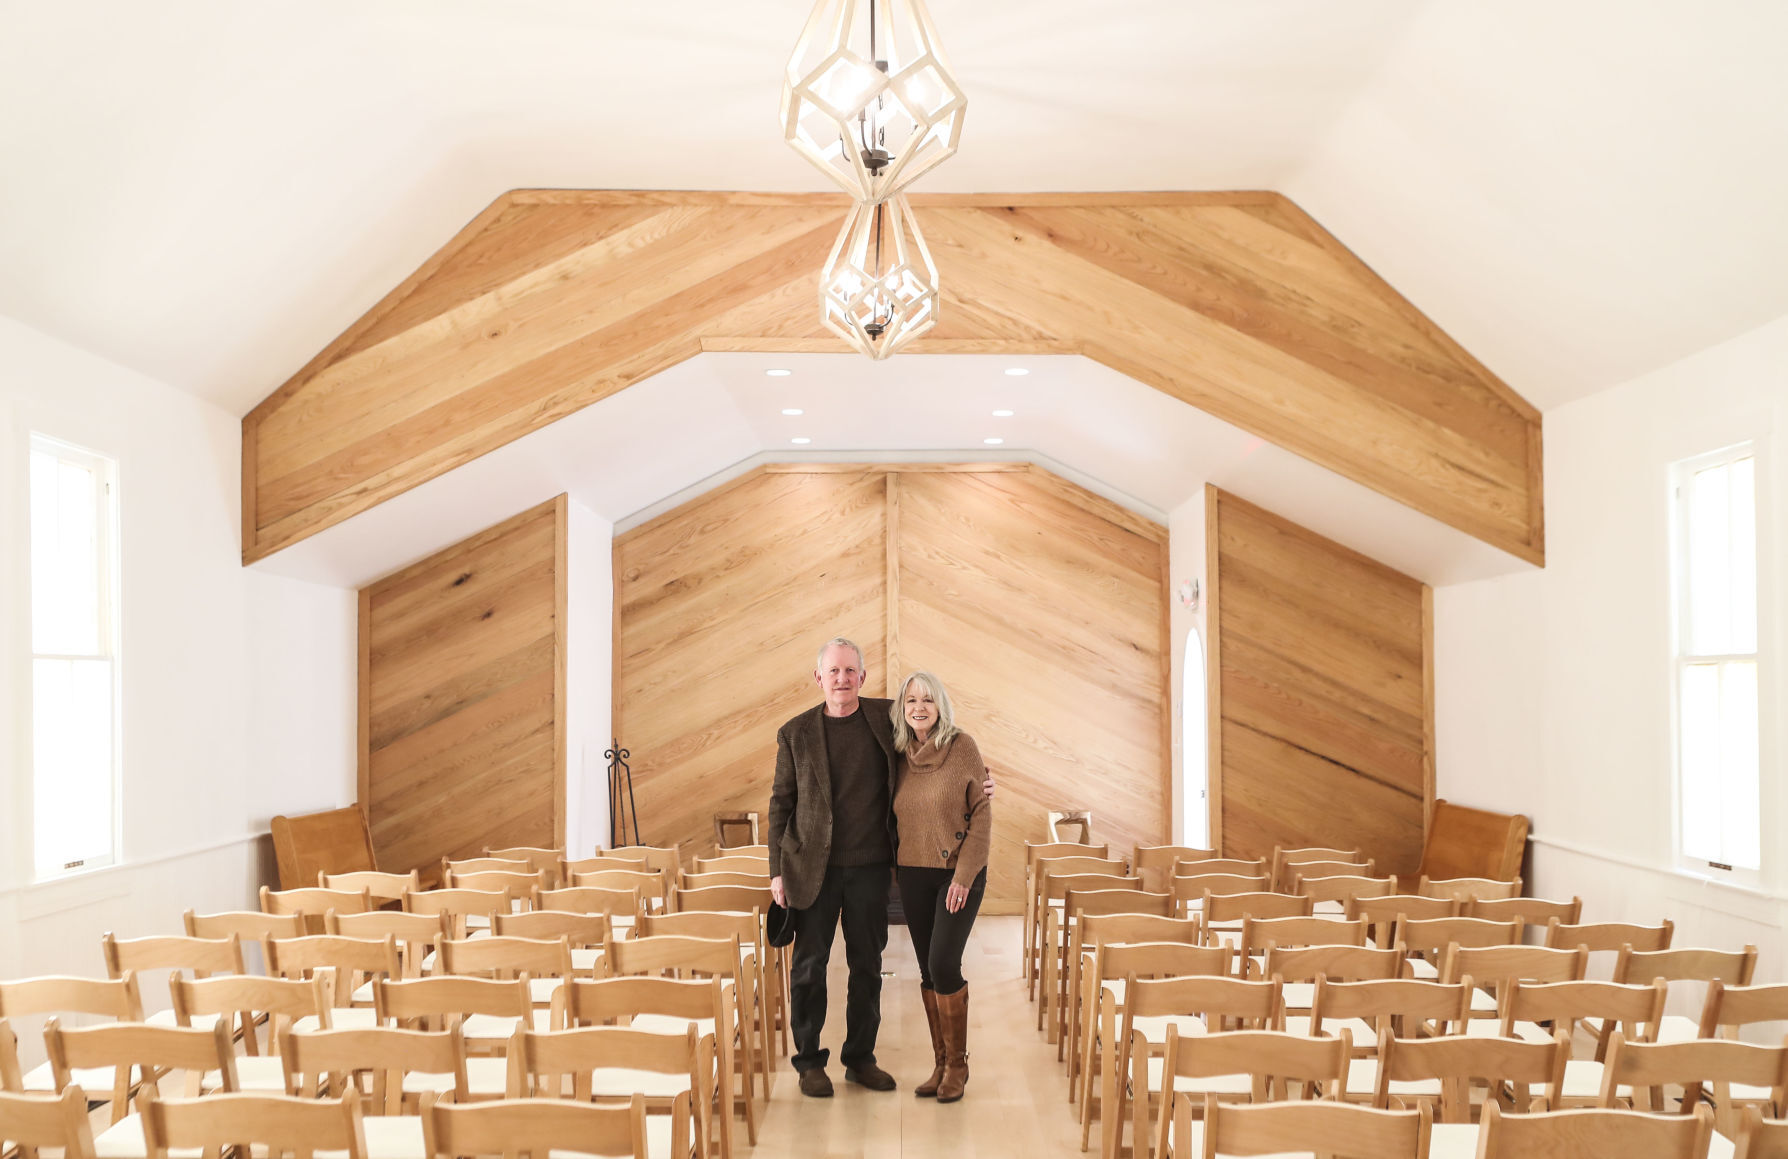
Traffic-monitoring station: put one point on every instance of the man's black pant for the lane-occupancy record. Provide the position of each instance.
(859, 895)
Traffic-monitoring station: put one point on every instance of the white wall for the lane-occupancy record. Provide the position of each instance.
(589, 677)
(1553, 688)
(238, 688)
(1186, 562)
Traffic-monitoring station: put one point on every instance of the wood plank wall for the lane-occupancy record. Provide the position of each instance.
(1237, 303)
(462, 677)
(1321, 696)
(1041, 606)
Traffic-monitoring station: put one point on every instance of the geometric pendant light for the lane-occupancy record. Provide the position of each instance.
(879, 289)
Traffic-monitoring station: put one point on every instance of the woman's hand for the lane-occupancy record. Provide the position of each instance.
(956, 898)
(987, 785)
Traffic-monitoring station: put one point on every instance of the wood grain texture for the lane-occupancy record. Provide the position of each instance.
(1237, 303)
(1322, 692)
(1039, 604)
(462, 694)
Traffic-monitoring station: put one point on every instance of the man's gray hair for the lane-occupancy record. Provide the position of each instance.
(839, 642)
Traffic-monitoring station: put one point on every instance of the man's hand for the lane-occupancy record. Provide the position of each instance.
(986, 787)
(954, 900)
(777, 893)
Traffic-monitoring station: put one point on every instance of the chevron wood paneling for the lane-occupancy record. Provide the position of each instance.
(462, 678)
(1041, 606)
(1322, 705)
(1237, 303)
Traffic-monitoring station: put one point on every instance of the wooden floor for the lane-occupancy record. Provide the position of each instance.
(1017, 1100)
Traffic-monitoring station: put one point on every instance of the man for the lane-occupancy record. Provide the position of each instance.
(831, 858)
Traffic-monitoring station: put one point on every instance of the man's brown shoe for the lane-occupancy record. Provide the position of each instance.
(869, 1075)
(815, 1084)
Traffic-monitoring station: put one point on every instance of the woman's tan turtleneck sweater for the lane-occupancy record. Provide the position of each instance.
(944, 816)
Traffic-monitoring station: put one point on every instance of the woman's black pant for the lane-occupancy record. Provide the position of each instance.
(939, 936)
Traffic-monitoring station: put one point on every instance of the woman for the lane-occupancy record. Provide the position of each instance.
(944, 822)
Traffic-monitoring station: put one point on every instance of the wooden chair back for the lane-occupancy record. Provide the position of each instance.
(519, 885)
(1224, 1003)
(451, 866)
(539, 859)
(1402, 1006)
(617, 1001)
(668, 859)
(457, 904)
(672, 955)
(1286, 932)
(247, 925)
(720, 879)
(1594, 1134)
(1533, 911)
(190, 957)
(1156, 864)
(598, 862)
(1298, 871)
(1383, 912)
(1189, 890)
(280, 1123)
(1329, 1128)
(1276, 1062)
(377, 1060)
(383, 886)
(534, 1128)
(1342, 963)
(1692, 1065)
(559, 1064)
(116, 999)
(414, 933)
(1431, 936)
(1760, 1138)
(651, 883)
(1496, 966)
(1729, 1008)
(734, 864)
(139, 1054)
(1343, 888)
(246, 1001)
(589, 900)
(32, 1121)
(312, 903)
(1236, 866)
(344, 964)
(1524, 1070)
(582, 931)
(504, 958)
(1465, 889)
(336, 841)
(1733, 967)
(1280, 861)
(11, 1077)
(440, 1001)
(1098, 929)
(1634, 1010)
(1609, 937)
(722, 899)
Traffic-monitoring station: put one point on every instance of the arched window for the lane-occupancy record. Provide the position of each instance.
(1194, 746)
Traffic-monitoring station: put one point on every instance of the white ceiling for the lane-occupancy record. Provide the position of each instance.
(637, 453)
(209, 191)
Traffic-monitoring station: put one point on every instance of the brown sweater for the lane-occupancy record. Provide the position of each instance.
(944, 818)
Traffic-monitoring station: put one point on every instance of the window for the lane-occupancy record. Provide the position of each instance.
(1195, 746)
(1717, 759)
(74, 659)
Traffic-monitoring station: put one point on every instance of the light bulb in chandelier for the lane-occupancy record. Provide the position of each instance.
(878, 290)
(868, 97)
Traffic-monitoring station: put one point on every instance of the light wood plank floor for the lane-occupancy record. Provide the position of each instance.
(1017, 1100)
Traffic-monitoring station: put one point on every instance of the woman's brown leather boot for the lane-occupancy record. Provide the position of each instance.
(952, 1011)
(928, 1088)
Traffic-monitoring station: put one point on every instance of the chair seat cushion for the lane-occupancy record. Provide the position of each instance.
(124, 1140)
(96, 1081)
(254, 1072)
(485, 1078)
(671, 1024)
(1453, 1141)
(1154, 1026)
(340, 1018)
(1362, 1082)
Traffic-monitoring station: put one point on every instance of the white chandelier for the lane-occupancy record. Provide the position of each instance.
(868, 98)
(878, 290)
(870, 102)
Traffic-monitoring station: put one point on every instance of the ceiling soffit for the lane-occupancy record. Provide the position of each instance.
(1236, 303)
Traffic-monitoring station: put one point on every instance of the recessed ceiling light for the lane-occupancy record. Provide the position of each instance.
(993, 442)
(792, 411)
(1002, 414)
(800, 440)
(1016, 371)
(778, 373)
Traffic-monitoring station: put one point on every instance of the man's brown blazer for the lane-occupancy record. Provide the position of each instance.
(801, 798)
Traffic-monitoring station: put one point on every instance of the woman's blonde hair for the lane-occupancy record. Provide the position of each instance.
(943, 732)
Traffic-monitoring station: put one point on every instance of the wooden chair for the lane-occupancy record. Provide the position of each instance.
(336, 841)
(382, 886)
(1535, 1010)
(1224, 913)
(748, 864)
(1156, 864)
(184, 957)
(392, 1069)
(1758, 1137)
(1297, 969)
(585, 933)
(346, 966)
(1464, 842)
(755, 955)
(1251, 1065)
(1733, 967)
(668, 859)
(720, 879)
(1404, 1007)
(279, 1123)
(1283, 858)
(733, 828)
(599, 862)
(600, 1063)
(1337, 891)
(1035, 851)
(459, 906)
(618, 905)
(144, 1056)
(1593, 1135)
(1318, 1127)
(249, 926)
(1067, 825)
(1035, 901)
(1189, 890)
(1052, 892)
(520, 886)
(1059, 929)
(1129, 947)
(654, 885)
(539, 859)
(1291, 877)
(1293, 930)
(1467, 889)
(485, 1011)
(117, 1000)
(1239, 866)
(1533, 911)
(1609, 937)
(1156, 1008)
(1511, 1069)
(243, 1004)
(451, 866)
(1493, 968)
(545, 963)
(313, 903)
(668, 1006)
(737, 899)
(40, 1120)
(1695, 1065)
(1382, 912)
(540, 1128)
(1430, 937)
(677, 956)
(414, 933)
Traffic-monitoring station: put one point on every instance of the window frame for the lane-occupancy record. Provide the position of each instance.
(109, 599)
(1682, 656)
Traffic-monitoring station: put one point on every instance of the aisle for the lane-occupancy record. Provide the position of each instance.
(1017, 1101)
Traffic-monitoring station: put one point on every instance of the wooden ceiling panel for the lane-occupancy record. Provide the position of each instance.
(1237, 303)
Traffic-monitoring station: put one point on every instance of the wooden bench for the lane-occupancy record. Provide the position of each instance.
(337, 841)
(1466, 842)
